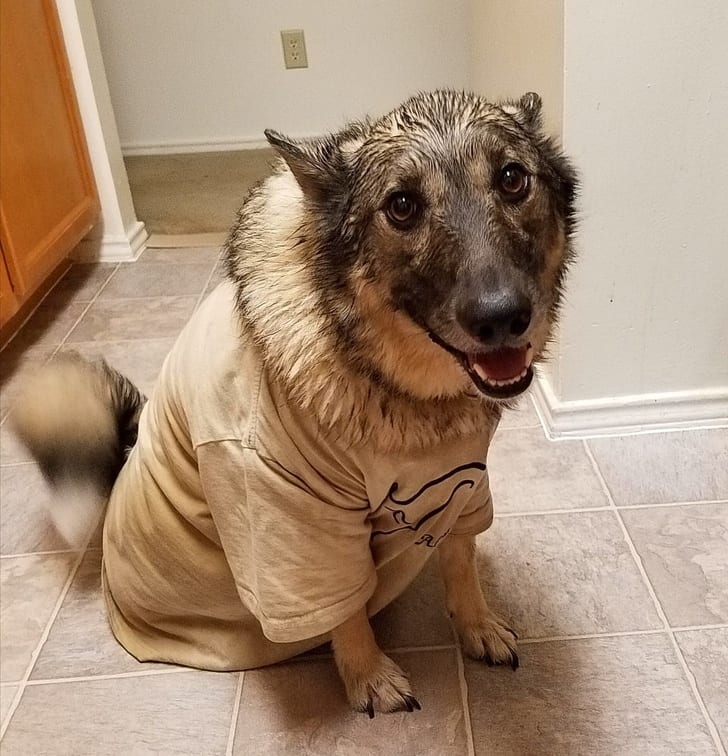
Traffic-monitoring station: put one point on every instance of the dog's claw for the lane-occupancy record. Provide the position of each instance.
(411, 703)
(514, 661)
(512, 631)
(370, 708)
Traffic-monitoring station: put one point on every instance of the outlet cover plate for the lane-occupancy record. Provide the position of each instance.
(294, 48)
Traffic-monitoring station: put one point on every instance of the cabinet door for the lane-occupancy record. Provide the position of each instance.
(8, 302)
(48, 198)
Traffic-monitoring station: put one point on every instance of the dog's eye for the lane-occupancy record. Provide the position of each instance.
(402, 209)
(513, 181)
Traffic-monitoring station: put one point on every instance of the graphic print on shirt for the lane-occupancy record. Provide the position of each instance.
(416, 511)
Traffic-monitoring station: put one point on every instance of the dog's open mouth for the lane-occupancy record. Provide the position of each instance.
(500, 373)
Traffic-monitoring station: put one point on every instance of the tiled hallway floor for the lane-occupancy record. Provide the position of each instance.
(609, 556)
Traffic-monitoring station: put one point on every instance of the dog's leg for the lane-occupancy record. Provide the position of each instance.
(372, 680)
(484, 635)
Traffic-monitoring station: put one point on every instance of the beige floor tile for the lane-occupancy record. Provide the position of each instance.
(51, 323)
(17, 361)
(7, 694)
(135, 280)
(176, 255)
(685, 553)
(30, 589)
(139, 360)
(418, 617)
(659, 468)
(25, 525)
(218, 276)
(179, 713)
(11, 450)
(82, 282)
(529, 473)
(566, 574)
(121, 319)
(301, 708)
(524, 416)
(602, 697)
(706, 653)
(80, 643)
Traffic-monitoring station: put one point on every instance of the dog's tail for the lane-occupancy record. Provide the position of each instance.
(79, 420)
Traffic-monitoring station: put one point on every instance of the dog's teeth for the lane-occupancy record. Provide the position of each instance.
(481, 373)
(529, 357)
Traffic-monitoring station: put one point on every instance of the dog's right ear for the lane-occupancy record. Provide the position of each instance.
(316, 164)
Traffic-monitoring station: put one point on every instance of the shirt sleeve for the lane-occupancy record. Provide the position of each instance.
(478, 514)
(302, 564)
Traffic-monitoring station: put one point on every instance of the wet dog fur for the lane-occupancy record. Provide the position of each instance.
(387, 273)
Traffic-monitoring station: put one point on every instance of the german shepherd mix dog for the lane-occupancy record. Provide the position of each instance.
(322, 423)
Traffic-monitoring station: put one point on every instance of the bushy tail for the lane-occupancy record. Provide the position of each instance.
(79, 420)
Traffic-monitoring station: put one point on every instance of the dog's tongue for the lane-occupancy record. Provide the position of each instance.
(502, 364)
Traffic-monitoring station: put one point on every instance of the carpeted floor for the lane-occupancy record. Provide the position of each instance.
(194, 193)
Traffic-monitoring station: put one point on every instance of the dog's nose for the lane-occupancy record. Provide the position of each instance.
(493, 318)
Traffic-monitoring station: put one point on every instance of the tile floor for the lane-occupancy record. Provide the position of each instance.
(609, 556)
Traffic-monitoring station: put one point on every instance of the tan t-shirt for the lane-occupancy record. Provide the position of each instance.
(238, 533)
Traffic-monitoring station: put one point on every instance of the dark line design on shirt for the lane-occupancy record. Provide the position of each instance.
(430, 541)
(436, 481)
(399, 516)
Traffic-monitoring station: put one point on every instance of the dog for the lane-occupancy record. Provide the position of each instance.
(321, 426)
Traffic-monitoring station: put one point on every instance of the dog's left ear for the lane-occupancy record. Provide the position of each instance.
(316, 163)
(527, 111)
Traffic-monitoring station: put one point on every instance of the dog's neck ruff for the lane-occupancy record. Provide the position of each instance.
(281, 311)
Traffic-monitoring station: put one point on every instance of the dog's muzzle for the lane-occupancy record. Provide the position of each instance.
(501, 373)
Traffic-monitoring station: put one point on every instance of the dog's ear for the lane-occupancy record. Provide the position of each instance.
(527, 111)
(316, 163)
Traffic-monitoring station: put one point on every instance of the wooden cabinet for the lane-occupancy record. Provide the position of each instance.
(48, 199)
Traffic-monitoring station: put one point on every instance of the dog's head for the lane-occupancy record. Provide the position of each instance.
(442, 237)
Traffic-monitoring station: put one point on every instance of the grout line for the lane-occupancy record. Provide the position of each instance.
(415, 649)
(575, 510)
(402, 650)
(712, 729)
(46, 631)
(50, 552)
(142, 339)
(150, 296)
(465, 703)
(607, 508)
(201, 296)
(234, 718)
(673, 504)
(47, 296)
(589, 636)
(699, 425)
(115, 676)
(510, 428)
(686, 628)
(85, 310)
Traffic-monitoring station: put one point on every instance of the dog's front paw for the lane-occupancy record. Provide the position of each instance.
(489, 639)
(380, 686)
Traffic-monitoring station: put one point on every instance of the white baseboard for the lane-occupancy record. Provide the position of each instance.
(113, 248)
(644, 413)
(210, 239)
(211, 145)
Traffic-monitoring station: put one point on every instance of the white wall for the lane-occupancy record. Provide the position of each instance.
(645, 117)
(517, 47)
(644, 336)
(204, 71)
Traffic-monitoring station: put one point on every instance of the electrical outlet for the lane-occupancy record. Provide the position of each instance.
(294, 48)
